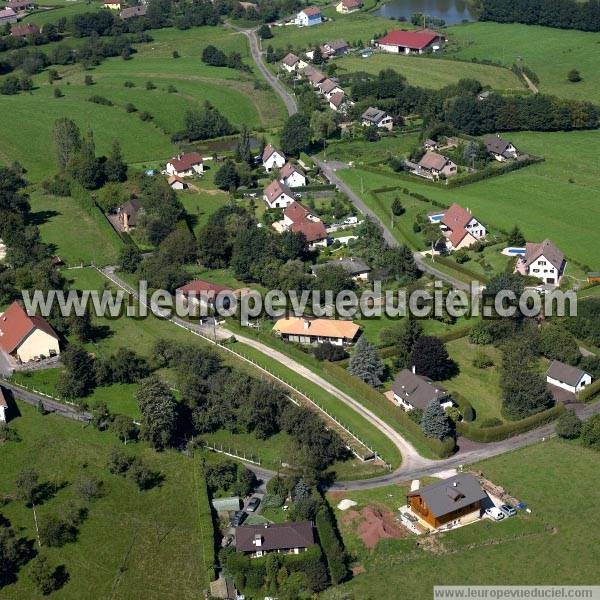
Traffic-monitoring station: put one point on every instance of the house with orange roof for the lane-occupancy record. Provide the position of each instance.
(186, 165)
(303, 330)
(297, 218)
(461, 228)
(26, 337)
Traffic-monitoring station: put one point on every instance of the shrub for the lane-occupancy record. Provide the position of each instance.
(145, 116)
(100, 100)
(57, 186)
(175, 54)
(150, 85)
(568, 425)
(58, 93)
(129, 84)
(469, 413)
(56, 532)
(482, 360)
(130, 108)
(462, 256)
(590, 432)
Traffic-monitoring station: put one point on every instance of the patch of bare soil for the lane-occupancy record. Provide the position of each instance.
(378, 523)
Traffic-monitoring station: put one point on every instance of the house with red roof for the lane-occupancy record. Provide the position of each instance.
(308, 16)
(277, 195)
(461, 228)
(205, 294)
(348, 6)
(24, 29)
(297, 218)
(186, 165)
(26, 337)
(407, 42)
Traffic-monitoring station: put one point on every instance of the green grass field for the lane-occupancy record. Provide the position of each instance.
(129, 536)
(431, 72)
(554, 199)
(231, 91)
(554, 545)
(76, 233)
(550, 53)
(60, 9)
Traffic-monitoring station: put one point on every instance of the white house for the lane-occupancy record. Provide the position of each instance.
(500, 149)
(567, 377)
(186, 165)
(378, 118)
(309, 16)
(407, 42)
(277, 195)
(292, 176)
(272, 158)
(328, 88)
(176, 183)
(292, 63)
(348, 6)
(415, 391)
(26, 337)
(3, 407)
(461, 228)
(339, 102)
(544, 261)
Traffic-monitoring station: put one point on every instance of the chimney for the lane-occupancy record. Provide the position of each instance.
(306, 323)
(258, 540)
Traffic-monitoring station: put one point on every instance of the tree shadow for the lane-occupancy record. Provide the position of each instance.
(47, 490)
(60, 576)
(42, 216)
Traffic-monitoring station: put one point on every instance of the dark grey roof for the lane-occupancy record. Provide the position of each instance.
(352, 266)
(374, 115)
(496, 144)
(565, 373)
(451, 494)
(274, 536)
(416, 389)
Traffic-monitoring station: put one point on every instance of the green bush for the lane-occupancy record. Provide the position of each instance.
(568, 425)
(590, 433)
(506, 430)
(331, 545)
(590, 392)
(482, 360)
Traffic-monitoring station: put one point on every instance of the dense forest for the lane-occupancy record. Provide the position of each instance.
(564, 14)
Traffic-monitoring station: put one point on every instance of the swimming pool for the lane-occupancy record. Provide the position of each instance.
(514, 251)
(436, 218)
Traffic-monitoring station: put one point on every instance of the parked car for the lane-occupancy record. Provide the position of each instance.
(494, 513)
(253, 504)
(507, 511)
(238, 518)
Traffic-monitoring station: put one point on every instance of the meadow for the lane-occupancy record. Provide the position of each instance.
(431, 72)
(554, 199)
(190, 82)
(550, 53)
(554, 545)
(128, 536)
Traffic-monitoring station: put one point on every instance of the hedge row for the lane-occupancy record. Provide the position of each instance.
(455, 334)
(461, 269)
(331, 545)
(506, 430)
(207, 533)
(489, 172)
(590, 392)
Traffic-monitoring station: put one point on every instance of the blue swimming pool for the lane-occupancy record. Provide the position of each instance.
(436, 218)
(515, 251)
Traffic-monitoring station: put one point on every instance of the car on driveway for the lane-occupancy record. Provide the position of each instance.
(253, 504)
(494, 513)
(507, 511)
(238, 518)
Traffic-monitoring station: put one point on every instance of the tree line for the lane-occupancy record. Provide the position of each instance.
(563, 14)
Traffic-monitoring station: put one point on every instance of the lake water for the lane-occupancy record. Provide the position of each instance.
(452, 11)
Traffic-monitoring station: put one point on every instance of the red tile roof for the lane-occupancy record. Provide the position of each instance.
(456, 217)
(349, 4)
(198, 286)
(305, 222)
(288, 169)
(16, 325)
(269, 150)
(311, 11)
(276, 189)
(185, 162)
(337, 99)
(415, 40)
(290, 60)
(24, 29)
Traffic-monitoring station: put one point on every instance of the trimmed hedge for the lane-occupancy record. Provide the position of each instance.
(455, 334)
(488, 172)
(461, 269)
(506, 430)
(331, 545)
(590, 392)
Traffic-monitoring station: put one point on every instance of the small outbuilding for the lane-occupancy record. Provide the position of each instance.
(567, 377)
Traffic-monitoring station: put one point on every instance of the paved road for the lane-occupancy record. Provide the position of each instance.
(289, 100)
(50, 405)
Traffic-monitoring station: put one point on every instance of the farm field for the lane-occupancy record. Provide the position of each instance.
(142, 142)
(550, 53)
(129, 535)
(553, 199)
(515, 551)
(78, 235)
(60, 9)
(431, 72)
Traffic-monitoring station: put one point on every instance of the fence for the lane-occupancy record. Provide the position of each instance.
(231, 452)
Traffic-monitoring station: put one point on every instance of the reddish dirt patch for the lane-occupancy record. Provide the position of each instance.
(358, 569)
(378, 524)
(337, 496)
(349, 517)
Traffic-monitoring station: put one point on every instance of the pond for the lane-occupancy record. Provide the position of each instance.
(450, 11)
(224, 145)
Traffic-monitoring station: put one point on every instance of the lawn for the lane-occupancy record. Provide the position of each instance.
(75, 229)
(60, 10)
(535, 197)
(128, 536)
(231, 91)
(431, 72)
(351, 28)
(554, 545)
(550, 53)
(201, 205)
